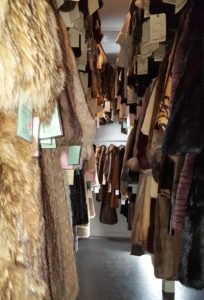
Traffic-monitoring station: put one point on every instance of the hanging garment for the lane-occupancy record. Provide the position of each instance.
(78, 200)
(179, 210)
(23, 266)
(59, 238)
(108, 214)
(167, 248)
(188, 109)
(30, 56)
(191, 271)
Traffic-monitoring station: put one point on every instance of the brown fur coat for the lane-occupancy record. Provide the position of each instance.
(22, 246)
(59, 238)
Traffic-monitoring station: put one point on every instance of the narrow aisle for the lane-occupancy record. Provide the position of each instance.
(107, 271)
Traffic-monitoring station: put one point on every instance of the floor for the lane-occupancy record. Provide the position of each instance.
(107, 271)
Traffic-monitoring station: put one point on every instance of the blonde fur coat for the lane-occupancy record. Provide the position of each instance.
(30, 56)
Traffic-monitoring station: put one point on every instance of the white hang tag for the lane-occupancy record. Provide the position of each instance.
(142, 65)
(158, 28)
(109, 187)
(117, 192)
(104, 179)
(107, 107)
(112, 115)
(123, 202)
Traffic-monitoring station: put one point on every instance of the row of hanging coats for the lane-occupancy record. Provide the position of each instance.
(164, 156)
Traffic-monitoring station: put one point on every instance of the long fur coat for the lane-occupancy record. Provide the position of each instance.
(191, 271)
(59, 239)
(22, 246)
(30, 56)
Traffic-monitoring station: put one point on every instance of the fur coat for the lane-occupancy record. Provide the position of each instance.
(59, 238)
(22, 245)
(185, 130)
(78, 96)
(191, 271)
(30, 56)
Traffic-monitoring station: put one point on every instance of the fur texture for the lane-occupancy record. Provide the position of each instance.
(30, 57)
(22, 248)
(59, 238)
(191, 271)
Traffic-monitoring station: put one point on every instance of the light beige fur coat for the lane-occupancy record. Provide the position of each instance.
(30, 56)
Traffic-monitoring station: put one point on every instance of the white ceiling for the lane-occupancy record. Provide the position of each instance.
(112, 16)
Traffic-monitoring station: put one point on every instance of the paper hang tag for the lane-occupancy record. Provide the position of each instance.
(104, 179)
(74, 35)
(158, 28)
(54, 128)
(123, 202)
(93, 6)
(131, 95)
(25, 118)
(36, 126)
(142, 65)
(51, 145)
(146, 33)
(117, 192)
(107, 106)
(70, 176)
(96, 189)
(146, 51)
(74, 153)
(109, 188)
(159, 54)
(179, 5)
(134, 188)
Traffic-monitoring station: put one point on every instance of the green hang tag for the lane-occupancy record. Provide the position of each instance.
(134, 189)
(74, 153)
(48, 144)
(25, 119)
(54, 128)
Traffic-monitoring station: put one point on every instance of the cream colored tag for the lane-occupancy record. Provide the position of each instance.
(146, 51)
(146, 33)
(142, 65)
(158, 28)
(107, 107)
(93, 6)
(74, 37)
(159, 54)
(109, 187)
(70, 176)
